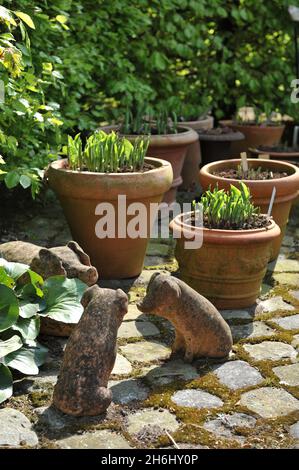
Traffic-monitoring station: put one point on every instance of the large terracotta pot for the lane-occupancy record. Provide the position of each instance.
(193, 155)
(81, 192)
(254, 135)
(229, 267)
(172, 148)
(215, 147)
(286, 188)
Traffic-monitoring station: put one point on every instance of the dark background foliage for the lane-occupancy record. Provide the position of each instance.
(93, 58)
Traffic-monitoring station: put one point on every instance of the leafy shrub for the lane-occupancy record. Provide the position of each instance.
(106, 153)
(24, 299)
(228, 210)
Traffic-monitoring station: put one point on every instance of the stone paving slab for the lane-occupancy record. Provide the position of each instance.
(288, 375)
(145, 351)
(237, 374)
(169, 372)
(270, 350)
(193, 398)
(135, 314)
(287, 323)
(16, 429)
(126, 391)
(295, 294)
(122, 366)
(294, 430)
(273, 304)
(236, 314)
(295, 342)
(151, 417)
(269, 402)
(224, 425)
(284, 266)
(103, 439)
(255, 329)
(289, 279)
(132, 329)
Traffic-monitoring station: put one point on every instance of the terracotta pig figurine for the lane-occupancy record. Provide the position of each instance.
(69, 260)
(200, 330)
(90, 354)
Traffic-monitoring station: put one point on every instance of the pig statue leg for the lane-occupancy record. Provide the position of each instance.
(179, 343)
(189, 350)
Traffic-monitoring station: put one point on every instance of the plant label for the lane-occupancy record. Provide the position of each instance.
(271, 201)
(244, 162)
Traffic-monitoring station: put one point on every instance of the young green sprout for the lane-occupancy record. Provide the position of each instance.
(229, 210)
(106, 153)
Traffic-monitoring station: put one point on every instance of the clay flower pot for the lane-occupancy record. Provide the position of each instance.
(172, 148)
(193, 155)
(218, 146)
(254, 135)
(275, 153)
(286, 188)
(81, 192)
(229, 267)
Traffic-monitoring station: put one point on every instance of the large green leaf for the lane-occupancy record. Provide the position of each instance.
(28, 309)
(28, 327)
(14, 270)
(10, 345)
(5, 278)
(27, 359)
(62, 297)
(9, 307)
(5, 383)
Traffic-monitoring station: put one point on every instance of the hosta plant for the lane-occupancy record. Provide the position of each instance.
(24, 299)
(231, 210)
(106, 153)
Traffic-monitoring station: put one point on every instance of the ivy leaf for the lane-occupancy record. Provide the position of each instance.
(10, 345)
(14, 270)
(25, 181)
(26, 18)
(12, 179)
(28, 327)
(27, 359)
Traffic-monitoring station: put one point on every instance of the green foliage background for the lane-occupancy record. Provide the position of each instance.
(89, 59)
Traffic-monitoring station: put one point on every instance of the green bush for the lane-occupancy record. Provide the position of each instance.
(24, 299)
(87, 63)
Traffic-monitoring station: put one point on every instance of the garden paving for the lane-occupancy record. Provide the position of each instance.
(249, 400)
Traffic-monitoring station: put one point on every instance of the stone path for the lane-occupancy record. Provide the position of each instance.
(249, 401)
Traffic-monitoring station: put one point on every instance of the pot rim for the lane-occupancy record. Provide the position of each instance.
(230, 123)
(229, 137)
(166, 140)
(206, 171)
(152, 160)
(220, 236)
(256, 151)
(207, 119)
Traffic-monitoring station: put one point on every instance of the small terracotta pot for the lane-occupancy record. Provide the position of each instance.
(286, 188)
(172, 148)
(81, 192)
(229, 267)
(215, 147)
(193, 155)
(254, 135)
(255, 152)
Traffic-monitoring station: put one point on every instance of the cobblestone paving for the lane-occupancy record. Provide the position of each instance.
(249, 401)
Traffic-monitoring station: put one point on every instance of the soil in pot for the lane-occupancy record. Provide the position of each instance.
(216, 144)
(229, 267)
(287, 187)
(259, 175)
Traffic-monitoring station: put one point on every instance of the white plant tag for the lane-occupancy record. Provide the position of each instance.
(244, 162)
(264, 156)
(271, 201)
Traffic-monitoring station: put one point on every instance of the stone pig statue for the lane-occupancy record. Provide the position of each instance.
(90, 354)
(200, 330)
(69, 260)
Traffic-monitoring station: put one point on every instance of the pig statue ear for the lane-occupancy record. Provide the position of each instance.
(153, 277)
(47, 264)
(89, 294)
(122, 300)
(170, 285)
(83, 257)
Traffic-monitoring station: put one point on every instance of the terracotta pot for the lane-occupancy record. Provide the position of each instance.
(193, 155)
(80, 193)
(172, 148)
(254, 135)
(274, 155)
(229, 267)
(286, 188)
(216, 147)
